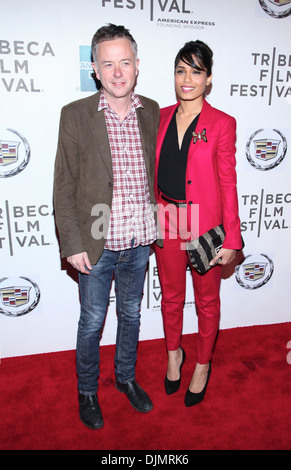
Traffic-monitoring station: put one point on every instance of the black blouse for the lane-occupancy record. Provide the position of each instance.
(173, 161)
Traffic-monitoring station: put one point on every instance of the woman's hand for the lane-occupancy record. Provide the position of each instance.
(224, 256)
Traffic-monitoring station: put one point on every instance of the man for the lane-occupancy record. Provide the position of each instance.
(105, 158)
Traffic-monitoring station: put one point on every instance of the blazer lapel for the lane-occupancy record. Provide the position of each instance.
(204, 116)
(99, 131)
(202, 124)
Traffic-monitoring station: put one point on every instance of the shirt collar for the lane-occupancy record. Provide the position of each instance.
(103, 103)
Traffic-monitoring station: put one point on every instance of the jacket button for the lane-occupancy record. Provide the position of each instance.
(189, 182)
(110, 184)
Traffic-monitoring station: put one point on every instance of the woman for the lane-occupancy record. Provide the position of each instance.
(195, 168)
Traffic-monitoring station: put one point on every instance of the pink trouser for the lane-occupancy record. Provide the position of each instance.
(172, 262)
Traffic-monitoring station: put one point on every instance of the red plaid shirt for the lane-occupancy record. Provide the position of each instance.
(131, 213)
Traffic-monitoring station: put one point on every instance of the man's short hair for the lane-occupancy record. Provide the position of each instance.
(109, 32)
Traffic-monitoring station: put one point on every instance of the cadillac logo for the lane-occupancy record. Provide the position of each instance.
(14, 154)
(276, 8)
(255, 271)
(18, 296)
(266, 149)
(8, 152)
(14, 296)
(267, 152)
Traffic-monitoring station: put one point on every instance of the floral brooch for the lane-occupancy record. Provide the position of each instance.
(199, 136)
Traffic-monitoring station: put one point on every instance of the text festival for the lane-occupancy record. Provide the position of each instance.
(179, 6)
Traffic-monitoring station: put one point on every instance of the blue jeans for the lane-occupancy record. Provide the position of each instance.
(128, 268)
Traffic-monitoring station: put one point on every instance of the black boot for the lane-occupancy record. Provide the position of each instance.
(138, 398)
(90, 412)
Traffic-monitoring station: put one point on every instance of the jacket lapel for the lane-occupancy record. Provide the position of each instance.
(204, 116)
(202, 124)
(98, 128)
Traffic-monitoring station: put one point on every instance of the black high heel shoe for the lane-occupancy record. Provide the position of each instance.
(195, 398)
(173, 386)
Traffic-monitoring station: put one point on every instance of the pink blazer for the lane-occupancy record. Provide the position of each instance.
(210, 173)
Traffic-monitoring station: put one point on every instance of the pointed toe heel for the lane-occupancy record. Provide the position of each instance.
(191, 398)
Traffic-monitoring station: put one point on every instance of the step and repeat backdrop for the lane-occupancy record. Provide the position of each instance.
(45, 64)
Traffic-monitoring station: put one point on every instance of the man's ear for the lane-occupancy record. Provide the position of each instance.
(95, 70)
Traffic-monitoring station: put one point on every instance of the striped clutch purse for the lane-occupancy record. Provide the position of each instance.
(203, 249)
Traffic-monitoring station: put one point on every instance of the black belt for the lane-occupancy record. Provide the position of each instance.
(178, 204)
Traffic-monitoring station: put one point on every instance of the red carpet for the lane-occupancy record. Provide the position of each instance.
(247, 405)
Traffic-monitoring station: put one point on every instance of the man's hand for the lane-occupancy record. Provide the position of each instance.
(81, 262)
(224, 256)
